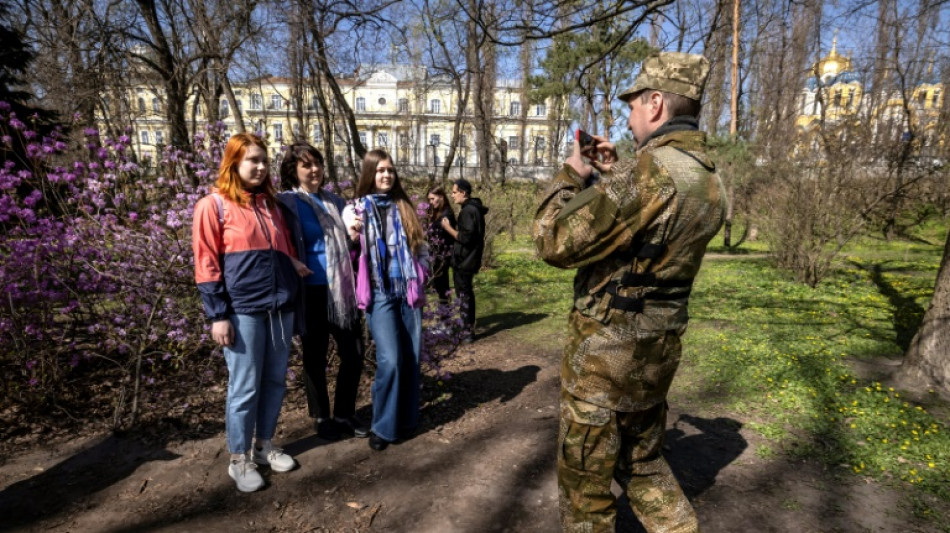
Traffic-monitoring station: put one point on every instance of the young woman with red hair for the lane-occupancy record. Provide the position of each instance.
(249, 278)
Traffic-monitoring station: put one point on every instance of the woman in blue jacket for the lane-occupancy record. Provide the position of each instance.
(329, 293)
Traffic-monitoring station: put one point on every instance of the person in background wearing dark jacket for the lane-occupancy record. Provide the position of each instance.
(467, 252)
(441, 241)
(329, 294)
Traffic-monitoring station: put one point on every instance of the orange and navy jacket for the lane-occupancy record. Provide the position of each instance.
(243, 264)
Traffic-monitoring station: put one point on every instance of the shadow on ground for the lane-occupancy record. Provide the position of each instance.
(471, 388)
(91, 470)
(697, 449)
(907, 315)
(499, 322)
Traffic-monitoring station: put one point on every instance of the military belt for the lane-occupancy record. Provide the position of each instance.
(637, 305)
(644, 251)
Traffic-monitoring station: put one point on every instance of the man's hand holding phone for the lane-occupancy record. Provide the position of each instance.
(599, 152)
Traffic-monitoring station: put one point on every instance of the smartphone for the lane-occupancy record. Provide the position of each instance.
(584, 139)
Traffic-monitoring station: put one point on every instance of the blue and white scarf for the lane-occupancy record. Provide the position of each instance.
(402, 268)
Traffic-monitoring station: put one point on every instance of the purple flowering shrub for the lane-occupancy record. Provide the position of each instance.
(442, 331)
(98, 270)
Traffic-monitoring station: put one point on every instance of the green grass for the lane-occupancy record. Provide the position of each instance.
(780, 355)
(523, 292)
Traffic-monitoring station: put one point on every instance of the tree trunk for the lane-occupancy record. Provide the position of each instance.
(928, 357)
(165, 65)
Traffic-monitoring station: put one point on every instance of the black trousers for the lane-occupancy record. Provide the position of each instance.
(466, 293)
(316, 343)
(440, 278)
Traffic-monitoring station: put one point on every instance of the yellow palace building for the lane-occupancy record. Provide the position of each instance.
(403, 109)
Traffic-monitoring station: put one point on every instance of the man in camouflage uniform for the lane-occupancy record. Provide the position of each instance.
(637, 236)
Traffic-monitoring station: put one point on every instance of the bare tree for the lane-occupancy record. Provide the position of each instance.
(80, 54)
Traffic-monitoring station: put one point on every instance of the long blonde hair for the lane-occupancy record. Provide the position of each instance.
(407, 211)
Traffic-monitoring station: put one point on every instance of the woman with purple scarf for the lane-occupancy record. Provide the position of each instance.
(390, 287)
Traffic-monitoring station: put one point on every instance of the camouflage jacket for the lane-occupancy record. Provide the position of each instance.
(637, 239)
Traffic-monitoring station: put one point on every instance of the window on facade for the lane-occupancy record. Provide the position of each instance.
(278, 132)
(836, 100)
(463, 141)
(512, 143)
(515, 109)
(144, 135)
(276, 101)
(297, 130)
(382, 101)
(256, 101)
(382, 138)
(159, 137)
(240, 105)
(361, 104)
(363, 138)
(539, 142)
(403, 105)
(260, 127)
(313, 103)
(155, 108)
(922, 98)
(317, 134)
(434, 139)
(540, 110)
(435, 106)
(224, 110)
(142, 105)
(936, 98)
(403, 139)
(337, 138)
(850, 99)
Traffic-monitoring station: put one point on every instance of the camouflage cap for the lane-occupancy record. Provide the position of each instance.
(672, 72)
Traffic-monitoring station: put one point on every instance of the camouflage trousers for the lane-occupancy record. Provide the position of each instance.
(596, 445)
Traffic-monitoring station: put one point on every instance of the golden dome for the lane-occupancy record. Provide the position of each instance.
(833, 63)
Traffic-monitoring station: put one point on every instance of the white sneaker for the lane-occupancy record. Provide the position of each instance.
(275, 457)
(244, 473)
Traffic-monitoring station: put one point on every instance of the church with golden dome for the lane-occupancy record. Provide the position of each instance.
(835, 95)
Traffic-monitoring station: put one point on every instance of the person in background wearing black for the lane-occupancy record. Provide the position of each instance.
(440, 240)
(468, 249)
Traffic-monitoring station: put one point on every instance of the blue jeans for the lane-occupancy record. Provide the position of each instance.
(257, 376)
(397, 330)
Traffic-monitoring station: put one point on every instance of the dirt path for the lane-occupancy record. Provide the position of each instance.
(482, 462)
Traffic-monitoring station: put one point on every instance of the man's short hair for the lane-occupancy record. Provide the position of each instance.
(464, 186)
(676, 104)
